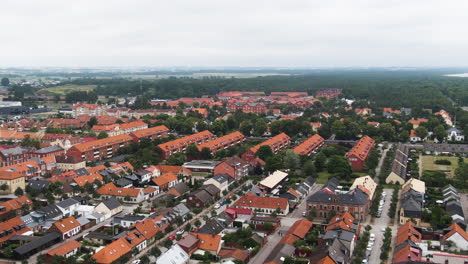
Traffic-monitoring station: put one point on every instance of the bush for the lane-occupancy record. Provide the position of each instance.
(443, 162)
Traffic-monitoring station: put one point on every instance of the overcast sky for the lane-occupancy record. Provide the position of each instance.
(289, 33)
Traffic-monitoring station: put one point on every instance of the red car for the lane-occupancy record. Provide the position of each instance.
(171, 237)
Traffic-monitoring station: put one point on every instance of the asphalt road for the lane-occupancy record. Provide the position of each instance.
(379, 223)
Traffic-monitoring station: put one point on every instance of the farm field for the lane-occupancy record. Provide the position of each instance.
(428, 163)
(64, 89)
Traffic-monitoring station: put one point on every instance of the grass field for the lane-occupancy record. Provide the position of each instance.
(428, 164)
(323, 177)
(64, 89)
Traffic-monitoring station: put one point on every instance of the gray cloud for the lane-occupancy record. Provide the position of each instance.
(301, 33)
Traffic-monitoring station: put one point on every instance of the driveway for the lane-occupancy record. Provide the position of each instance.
(379, 223)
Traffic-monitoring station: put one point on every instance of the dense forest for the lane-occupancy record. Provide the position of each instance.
(385, 88)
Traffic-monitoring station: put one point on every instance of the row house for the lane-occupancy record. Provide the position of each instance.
(276, 143)
(203, 196)
(87, 109)
(16, 155)
(309, 146)
(17, 205)
(266, 205)
(65, 123)
(100, 149)
(446, 116)
(358, 154)
(150, 133)
(256, 108)
(330, 199)
(119, 129)
(224, 142)
(32, 168)
(234, 167)
(130, 195)
(180, 144)
(12, 227)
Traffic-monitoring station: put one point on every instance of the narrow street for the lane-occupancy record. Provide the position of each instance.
(381, 161)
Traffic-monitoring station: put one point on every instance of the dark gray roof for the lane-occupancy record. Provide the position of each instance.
(49, 149)
(280, 251)
(181, 187)
(221, 178)
(444, 147)
(354, 197)
(82, 172)
(50, 211)
(99, 235)
(454, 208)
(131, 218)
(132, 177)
(67, 203)
(211, 189)
(412, 203)
(123, 182)
(181, 209)
(111, 203)
(37, 243)
(212, 227)
(14, 151)
(202, 195)
(39, 184)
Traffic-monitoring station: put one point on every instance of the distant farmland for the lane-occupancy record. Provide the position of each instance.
(64, 89)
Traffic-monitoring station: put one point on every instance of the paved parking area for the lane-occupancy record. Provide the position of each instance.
(380, 223)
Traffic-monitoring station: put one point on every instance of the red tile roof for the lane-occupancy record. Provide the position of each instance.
(113, 251)
(272, 142)
(9, 226)
(82, 180)
(222, 142)
(300, 228)
(185, 141)
(362, 148)
(66, 224)
(111, 189)
(309, 145)
(208, 241)
(102, 143)
(455, 228)
(150, 131)
(65, 248)
(262, 202)
(165, 179)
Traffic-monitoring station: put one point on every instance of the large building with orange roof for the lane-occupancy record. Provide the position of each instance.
(100, 149)
(151, 133)
(276, 143)
(179, 145)
(358, 154)
(224, 142)
(12, 180)
(309, 146)
(130, 195)
(9, 228)
(113, 252)
(266, 205)
(16, 205)
(119, 129)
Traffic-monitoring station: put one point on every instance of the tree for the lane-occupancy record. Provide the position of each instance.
(320, 161)
(421, 132)
(259, 128)
(5, 81)
(264, 152)
(291, 160)
(246, 128)
(273, 163)
(387, 131)
(92, 121)
(192, 152)
(339, 165)
(309, 168)
(440, 133)
(19, 191)
(205, 154)
(102, 134)
(29, 142)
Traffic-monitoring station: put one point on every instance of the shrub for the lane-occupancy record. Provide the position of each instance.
(443, 162)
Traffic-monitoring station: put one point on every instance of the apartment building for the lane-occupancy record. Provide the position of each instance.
(179, 145)
(223, 142)
(100, 149)
(276, 143)
(151, 133)
(358, 154)
(309, 146)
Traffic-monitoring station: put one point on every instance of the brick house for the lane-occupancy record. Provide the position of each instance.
(358, 154)
(266, 205)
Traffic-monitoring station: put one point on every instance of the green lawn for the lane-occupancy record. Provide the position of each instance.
(64, 89)
(428, 163)
(323, 177)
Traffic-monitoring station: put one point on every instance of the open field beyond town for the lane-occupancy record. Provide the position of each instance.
(64, 89)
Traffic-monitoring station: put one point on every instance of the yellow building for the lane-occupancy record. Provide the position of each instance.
(10, 181)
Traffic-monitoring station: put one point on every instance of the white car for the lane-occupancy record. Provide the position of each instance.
(217, 206)
(372, 236)
(382, 229)
(137, 261)
(180, 232)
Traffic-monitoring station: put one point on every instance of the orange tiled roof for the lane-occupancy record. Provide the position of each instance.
(135, 237)
(126, 166)
(150, 131)
(272, 142)
(362, 148)
(234, 253)
(455, 228)
(9, 175)
(66, 224)
(96, 169)
(344, 221)
(65, 248)
(82, 180)
(288, 239)
(165, 179)
(326, 260)
(16, 203)
(9, 226)
(222, 142)
(309, 145)
(185, 141)
(149, 189)
(101, 143)
(166, 168)
(111, 189)
(262, 202)
(408, 232)
(208, 241)
(300, 228)
(113, 251)
(149, 227)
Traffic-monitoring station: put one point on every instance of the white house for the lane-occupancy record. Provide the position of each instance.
(175, 255)
(454, 134)
(68, 206)
(458, 236)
